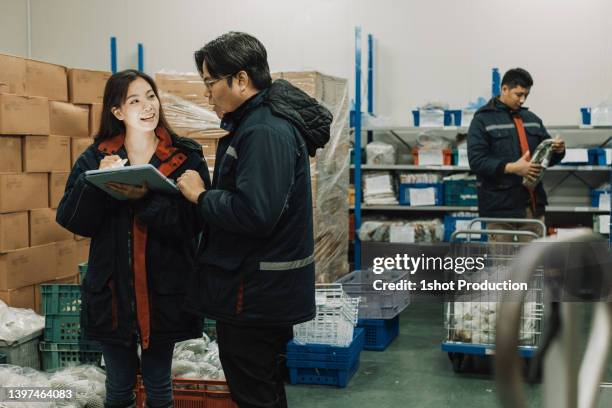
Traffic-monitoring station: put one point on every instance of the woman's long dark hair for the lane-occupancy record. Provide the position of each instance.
(115, 93)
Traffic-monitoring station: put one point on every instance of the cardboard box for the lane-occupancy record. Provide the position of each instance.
(19, 192)
(48, 80)
(12, 74)
(85, 86)
(14, 232)
(46, 154)
(10, 154)
(44, 229)
(27, 266)
(24, 115)
(57, 185)
(95, 114)
(67, 264)
(23, 298)
(78, 146)
(209, 146)
(82, 250)
(69, 120)
(66, 280)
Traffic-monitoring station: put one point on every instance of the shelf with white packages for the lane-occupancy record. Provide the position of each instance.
(447, 208)
(400, 167)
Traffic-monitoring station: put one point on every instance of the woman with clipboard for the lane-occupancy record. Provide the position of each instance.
(142, 248)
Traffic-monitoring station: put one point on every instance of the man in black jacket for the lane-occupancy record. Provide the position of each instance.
(501, 138)
(256, 264)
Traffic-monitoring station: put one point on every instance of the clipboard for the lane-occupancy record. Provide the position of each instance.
(134, 175)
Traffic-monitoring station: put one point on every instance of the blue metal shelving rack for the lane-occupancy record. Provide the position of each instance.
(357, 133)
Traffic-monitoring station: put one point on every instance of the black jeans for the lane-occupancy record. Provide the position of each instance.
(253, 359)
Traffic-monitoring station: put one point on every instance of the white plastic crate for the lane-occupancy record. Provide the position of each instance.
(335, 319)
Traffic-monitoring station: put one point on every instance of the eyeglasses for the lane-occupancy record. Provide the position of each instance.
(210, 82)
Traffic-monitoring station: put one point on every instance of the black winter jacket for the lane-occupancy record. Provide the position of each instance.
(493, 142)
(108, 312)
(256, 266)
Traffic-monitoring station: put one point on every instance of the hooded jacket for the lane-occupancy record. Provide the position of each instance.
(493, 142)
(256, 264)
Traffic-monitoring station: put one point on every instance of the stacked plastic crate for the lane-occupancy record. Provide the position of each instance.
(378, 310)
(64, 344)
(326, 350)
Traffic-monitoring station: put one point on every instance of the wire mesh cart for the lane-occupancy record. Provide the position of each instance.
(470, 316)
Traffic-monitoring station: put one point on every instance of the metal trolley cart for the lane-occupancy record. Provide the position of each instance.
(470, 317)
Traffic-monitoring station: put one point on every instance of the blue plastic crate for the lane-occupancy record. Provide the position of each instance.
(404, 192)
(595, 196)
(379, 333)
(586, 116)
(460, 192)
(452, 117)
(450, 225)
(597, 156)
(322, 376)
(321, 353)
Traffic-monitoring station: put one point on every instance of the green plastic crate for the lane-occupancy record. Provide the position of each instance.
(23, 352)
(82, 270)
(63, 329)
(64, 300)
(59, 355)
(210, 328)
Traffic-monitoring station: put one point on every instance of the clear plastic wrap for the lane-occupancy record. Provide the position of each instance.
(86, 380)
(431, 140)
(329, 174)
(417, 231)
(197, 359)
(17, 323)
(190, 120)
(380, 153)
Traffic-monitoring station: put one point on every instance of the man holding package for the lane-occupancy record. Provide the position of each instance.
(501, 139)
(256, 262)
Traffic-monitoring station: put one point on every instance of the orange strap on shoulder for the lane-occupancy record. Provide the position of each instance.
(520, 128)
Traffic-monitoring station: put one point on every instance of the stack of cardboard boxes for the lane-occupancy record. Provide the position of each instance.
(47, 115)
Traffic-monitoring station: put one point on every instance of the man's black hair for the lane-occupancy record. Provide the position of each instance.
(234, 52)
(517, 77)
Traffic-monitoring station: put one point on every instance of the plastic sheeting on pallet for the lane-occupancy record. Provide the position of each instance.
(329, 174)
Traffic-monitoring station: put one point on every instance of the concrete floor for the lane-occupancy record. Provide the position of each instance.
(414, 372)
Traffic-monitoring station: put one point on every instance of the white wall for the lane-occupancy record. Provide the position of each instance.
(427, 50)
(13, 27)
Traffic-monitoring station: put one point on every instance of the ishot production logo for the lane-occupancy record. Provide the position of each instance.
(458, 265)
